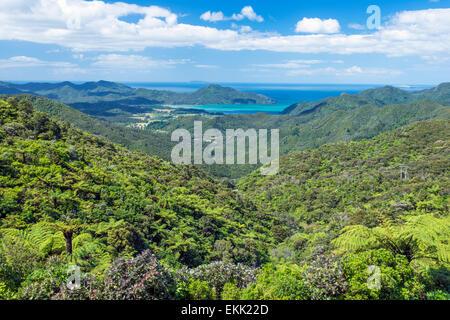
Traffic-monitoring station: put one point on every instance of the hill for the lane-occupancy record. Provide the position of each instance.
(152, 143)
(104, 91)
(318, 192)
(68, 197)
(343, 118)
(311, 130)
(378, 97)
(441, 94)
(54, 173)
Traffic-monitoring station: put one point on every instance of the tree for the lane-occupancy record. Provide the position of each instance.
(422, 237)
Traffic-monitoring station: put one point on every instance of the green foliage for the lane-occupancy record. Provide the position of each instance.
(195, 290)
(68, 197)
(139, 278)
(325, 278)
(215, 276)
(68, 193)
(45, 282)
(280, 282)
(397, 277)
(419, 237)
(104, 91)
(438, 295)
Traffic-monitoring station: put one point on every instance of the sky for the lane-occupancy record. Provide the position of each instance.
(255, 41)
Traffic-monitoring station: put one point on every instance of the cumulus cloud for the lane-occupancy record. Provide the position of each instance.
(26, 62)
(120, 61)
(422, 32)
(246, 12)
(96, 26)
(249, 13)
(316, 25)
(212, 16)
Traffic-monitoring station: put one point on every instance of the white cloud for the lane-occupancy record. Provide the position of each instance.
(119, 61)
(356, 26)
(423, 32)
(354, 71)
(212, 16)
(292, 64)
(206, 66)
(242, 29)
(294, 68)
(26, 62)
(249, 13)
(246, 12)
(245, 29)
(316, 25)
(95, 26)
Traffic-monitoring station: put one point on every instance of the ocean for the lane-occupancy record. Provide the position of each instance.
(285, 94)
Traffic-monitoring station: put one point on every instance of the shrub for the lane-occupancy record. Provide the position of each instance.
(325, 277)
(44, 283)
(280, 282)
(397, 277)
(140, 278)
(438, 295)
(217, 274)
(195, 290)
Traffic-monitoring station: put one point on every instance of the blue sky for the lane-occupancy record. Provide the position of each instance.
(217, 41)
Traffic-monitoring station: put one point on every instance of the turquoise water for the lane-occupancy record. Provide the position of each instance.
(285, 94)
(239, 108)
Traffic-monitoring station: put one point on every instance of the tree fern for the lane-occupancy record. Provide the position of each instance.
(417, 238)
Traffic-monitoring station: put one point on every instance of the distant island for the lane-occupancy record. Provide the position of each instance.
(105, 91)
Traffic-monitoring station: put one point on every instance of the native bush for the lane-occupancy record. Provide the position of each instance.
(217, 274)
(278, 282)
(325, 277)
(397, 279)
(140, 278)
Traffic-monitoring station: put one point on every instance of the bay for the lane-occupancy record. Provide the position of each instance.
(285, 94)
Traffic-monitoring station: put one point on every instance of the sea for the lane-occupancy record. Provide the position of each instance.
(285, 94)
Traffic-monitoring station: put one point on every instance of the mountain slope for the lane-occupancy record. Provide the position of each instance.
(307, 131)
(60, 186)
(398, 174)
(51, 172)
(342, 178)
(440, 94)
(378, 97)
(94, 92)
(157, 144)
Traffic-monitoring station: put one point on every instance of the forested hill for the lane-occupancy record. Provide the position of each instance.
(378, 97)
(362, 178)
(297, 132)
(310, 232)
(122, 201)
(374, 189)
(104, 91)
(309, 131)
(152, 143)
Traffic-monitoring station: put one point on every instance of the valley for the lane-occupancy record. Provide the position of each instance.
(361, 181)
